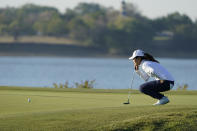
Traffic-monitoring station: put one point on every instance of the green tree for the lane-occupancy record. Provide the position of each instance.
(14, 29)
(78, 29)
(185, 36)
(3, 29)
(41, 27)
(171, 21)
(56, 27)
(129, 32)
(86, 8)
(7, 15)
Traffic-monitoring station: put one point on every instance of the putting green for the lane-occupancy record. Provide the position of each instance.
(52, 110)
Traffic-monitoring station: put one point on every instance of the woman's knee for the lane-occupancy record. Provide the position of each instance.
(143, 88)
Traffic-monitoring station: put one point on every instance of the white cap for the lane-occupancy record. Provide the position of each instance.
(137, 53)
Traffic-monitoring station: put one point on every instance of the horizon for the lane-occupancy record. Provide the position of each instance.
(145, 7)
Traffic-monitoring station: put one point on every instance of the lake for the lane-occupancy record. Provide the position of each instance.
(108, 73)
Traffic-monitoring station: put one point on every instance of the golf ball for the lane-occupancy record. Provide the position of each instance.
(29, 100)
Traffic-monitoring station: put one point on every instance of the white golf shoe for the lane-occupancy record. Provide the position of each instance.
(162, 101)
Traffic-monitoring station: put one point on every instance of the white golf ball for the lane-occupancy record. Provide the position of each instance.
(29, 100)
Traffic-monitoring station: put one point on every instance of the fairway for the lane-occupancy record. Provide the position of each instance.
(92, 110)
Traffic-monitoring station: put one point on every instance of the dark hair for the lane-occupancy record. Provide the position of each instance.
(149, 57)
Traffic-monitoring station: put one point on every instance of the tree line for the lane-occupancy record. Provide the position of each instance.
(95, 25)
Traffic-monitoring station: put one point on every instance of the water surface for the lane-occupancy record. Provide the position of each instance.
(109, 73)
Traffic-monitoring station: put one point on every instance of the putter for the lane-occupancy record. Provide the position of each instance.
(129, 94)
(127, 102)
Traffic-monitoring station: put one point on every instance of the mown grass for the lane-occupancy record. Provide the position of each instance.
(93, 109)
(182, 120)
(161, 38)
(38, 39)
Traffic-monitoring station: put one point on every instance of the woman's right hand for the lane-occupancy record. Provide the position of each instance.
(136, 67)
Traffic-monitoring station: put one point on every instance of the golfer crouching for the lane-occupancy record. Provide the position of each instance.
(146, 66)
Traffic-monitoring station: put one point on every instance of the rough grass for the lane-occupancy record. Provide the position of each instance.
(79, 109)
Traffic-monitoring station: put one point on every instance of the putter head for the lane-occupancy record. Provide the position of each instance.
(127, 102)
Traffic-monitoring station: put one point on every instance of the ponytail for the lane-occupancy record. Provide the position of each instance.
(149, 57)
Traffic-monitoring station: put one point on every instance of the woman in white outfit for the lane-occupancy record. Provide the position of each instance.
(146, 66)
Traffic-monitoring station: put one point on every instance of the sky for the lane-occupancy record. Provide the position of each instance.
(149, 8)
